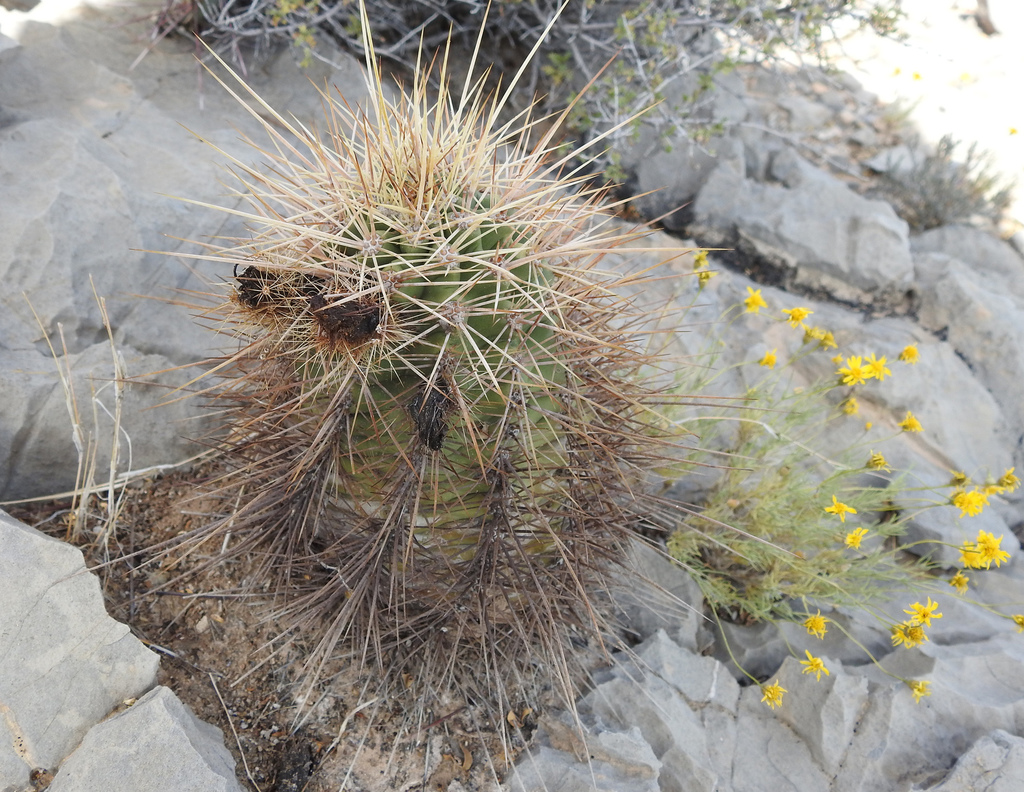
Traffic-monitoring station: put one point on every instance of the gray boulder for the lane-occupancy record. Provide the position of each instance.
(972, 293)
(684, 706)
(995, 763)
(657, 594)
(156, 745)
(64, 663)
(616, 762)
(92, 154)
(975, 688)
(811, 225)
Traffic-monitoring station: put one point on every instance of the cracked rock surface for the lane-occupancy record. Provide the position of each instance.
(65, 665)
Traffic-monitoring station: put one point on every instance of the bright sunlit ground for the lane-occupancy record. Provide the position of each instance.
(954, 79)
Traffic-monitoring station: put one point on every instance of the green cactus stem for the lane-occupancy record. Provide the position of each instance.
(435, 433)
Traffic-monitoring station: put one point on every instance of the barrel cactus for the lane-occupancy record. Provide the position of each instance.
(435, 430)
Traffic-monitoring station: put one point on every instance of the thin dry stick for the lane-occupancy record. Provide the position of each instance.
(115, 500)
(231, 723)
(71, 404)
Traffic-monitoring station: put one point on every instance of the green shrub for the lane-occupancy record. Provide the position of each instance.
(936, 189)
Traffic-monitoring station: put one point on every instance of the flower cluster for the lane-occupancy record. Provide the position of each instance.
(983, 552)
(858, 369)
(768, 536)
(702, 268)
(910, 633)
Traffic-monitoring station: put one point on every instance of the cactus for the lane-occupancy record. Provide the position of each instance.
(435, 430)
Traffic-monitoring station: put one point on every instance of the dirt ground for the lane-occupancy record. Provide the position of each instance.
(223, 656)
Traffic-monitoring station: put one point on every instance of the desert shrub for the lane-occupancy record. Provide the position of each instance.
(796, 527)
(937, 189)
(648, 63)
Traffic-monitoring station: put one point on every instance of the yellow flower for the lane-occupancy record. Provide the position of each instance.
(796, 315)
(837, 359)
(920, 690)
(773, 694)
(1008, 480)
(1013, 130)
(992, 489)
(923, 614)
(877, 462)
(970, 556)
(700, 266)
(850, 406)
(867, 426)
(910, 423)
(754, 302)
(828, 341)
(908, 634)
(910, 354)
(970, 503)
(959, 479)
(1019, 621)
(814, 665)
(959, 582)
(815, 625)
(840, 509)
(813, 334)
(854, 373)
(854, 537)
(988, 549)
(768, 361)
(876, 368)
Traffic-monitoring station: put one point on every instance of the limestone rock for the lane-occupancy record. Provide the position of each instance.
(617, 762)
(975, 688)
(667, 723)
(156, 745)
(995, 763)
(92, 154)
(64, 664)
(8, 47)
(982, 251)
(769, 754)
(978, 305)
(666, 598)
(701, 680)
(683, 705)
(812, 225)
(667, 180)
(762, 648)
(825, 714)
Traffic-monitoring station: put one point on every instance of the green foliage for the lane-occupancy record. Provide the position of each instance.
(793, 525)
(666, 52)
(763, 539)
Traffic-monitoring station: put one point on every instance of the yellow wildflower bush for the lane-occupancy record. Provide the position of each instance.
(772, 542)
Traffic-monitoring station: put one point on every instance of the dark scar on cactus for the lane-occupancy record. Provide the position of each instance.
(349, 323)
(256, 286)
(430, 410)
